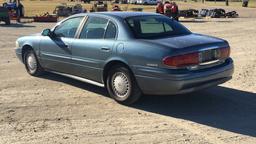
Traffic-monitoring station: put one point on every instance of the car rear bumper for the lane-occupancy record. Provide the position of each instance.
(170, 84)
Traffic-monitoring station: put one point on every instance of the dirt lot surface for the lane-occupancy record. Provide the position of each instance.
(55, 109)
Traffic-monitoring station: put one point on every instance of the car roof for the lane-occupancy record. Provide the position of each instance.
(118, 17)
(122, 15)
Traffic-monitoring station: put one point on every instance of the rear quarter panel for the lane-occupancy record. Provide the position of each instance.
(142, 55)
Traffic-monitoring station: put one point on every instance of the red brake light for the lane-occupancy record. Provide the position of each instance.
(182, 60)
(196, 58)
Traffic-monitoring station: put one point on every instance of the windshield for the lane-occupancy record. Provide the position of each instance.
(153, 27)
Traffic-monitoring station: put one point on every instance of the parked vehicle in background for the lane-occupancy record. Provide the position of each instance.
(86, 1)
(16, 6)
(132, 1)
(116, 8)
(4, 15)
(100, 6)
(78, 8)
(147, 2)
(15, 11)
(123, 1)
(67, 10)
(130, 53)
(245, 3)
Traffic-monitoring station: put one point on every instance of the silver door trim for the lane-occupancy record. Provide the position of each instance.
(54, 55)
(79, 78)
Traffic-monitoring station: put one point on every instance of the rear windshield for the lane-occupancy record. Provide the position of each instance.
(153, 27)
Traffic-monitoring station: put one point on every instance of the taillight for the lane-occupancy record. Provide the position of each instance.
(197, 57)
(224, 53)
(182, 60)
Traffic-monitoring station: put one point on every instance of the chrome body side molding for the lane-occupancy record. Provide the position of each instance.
(79, 78)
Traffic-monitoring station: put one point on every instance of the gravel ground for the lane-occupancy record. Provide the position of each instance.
(55, 109)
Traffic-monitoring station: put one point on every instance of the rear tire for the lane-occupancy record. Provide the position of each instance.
(122, 86)
(32, 65)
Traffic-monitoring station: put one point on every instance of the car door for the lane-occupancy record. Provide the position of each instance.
(55, 51)
(93, 47)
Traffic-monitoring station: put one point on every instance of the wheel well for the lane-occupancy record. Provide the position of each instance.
(109, 65)
(25, 48)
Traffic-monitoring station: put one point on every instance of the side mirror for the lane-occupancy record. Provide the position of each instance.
(47, 32)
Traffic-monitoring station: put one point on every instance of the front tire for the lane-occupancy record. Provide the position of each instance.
(32, 65)
(122, 86)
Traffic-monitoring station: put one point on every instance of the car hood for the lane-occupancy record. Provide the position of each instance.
(191, 40)
(36, 34)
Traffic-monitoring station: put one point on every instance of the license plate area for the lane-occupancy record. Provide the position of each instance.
(209, 55)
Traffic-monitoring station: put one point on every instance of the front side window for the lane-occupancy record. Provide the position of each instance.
(151, 27)
(68, 28)
(94, 28)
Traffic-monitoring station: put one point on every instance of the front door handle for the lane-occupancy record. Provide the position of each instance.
(67, 46)
(105, 48)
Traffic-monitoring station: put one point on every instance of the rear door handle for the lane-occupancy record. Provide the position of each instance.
(105, 48)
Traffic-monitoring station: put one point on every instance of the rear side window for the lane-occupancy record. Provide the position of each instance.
(153, 27)
(111, 31)
(68, 28)
(148, 26)
(94, 28)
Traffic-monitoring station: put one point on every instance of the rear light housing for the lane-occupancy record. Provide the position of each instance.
(192, 59)
(182, 60)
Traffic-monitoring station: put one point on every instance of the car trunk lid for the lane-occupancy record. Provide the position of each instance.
(196, 41)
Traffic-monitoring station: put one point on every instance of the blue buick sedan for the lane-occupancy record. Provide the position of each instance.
(129, 53)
